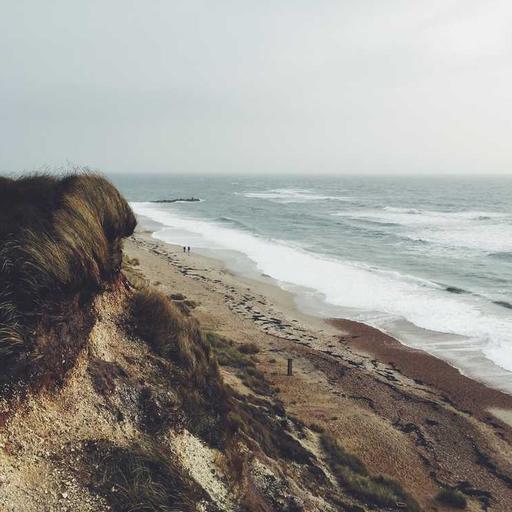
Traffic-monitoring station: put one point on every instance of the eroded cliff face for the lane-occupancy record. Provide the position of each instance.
(116, 434)
(112, 397)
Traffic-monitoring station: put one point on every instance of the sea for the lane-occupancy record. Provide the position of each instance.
(425, 259)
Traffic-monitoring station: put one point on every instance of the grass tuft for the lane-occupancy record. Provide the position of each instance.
(238, 356)
(248, 348)
(134, 480)
(351, 473)
(338, 456)
(226, 351)
(163, 326)
(451, 498)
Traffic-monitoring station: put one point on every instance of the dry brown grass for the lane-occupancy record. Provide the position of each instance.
(58, 237)
(451, 498)
(352, 475)
(140, 480)
(172, 335)
(226, 351)
(168, 331)
(248, 348)
(238, 356)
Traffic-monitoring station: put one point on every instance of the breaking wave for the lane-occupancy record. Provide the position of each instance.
(361, 287)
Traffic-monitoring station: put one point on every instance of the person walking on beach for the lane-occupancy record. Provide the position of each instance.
(188, 249)
(184, 249)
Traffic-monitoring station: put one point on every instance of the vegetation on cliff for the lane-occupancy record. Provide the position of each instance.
(60, 241)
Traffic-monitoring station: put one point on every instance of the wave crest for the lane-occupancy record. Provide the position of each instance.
(293, 195)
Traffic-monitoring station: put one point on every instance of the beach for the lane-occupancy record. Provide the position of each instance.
(405, 413)
(431, 270)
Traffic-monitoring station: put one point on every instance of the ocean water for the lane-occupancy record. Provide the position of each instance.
(428, 260)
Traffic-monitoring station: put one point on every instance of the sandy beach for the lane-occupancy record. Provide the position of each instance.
(403, 412)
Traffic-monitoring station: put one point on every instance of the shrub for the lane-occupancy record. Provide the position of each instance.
(75, 244)
(452, 498)
(255, 380)
(261, 421)
(258, 420)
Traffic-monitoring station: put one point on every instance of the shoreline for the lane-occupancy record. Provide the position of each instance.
(444, 373)
(425, 369)
(459, 352)
(404, 412)
(363, 339)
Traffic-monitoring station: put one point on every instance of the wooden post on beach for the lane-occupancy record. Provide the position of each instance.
(290, 362)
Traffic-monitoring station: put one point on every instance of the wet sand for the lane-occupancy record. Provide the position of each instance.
(424, 369)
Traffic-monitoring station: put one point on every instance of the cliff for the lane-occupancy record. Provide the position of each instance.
(112, 397)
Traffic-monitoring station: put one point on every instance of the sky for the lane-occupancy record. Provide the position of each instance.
(261, 86)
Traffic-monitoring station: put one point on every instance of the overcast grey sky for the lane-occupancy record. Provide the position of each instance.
(317, 86)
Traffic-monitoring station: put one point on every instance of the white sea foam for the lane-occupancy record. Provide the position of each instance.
(490, 238)
(293, 195)
(480, 230)
(355, 285)
(414, 217)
